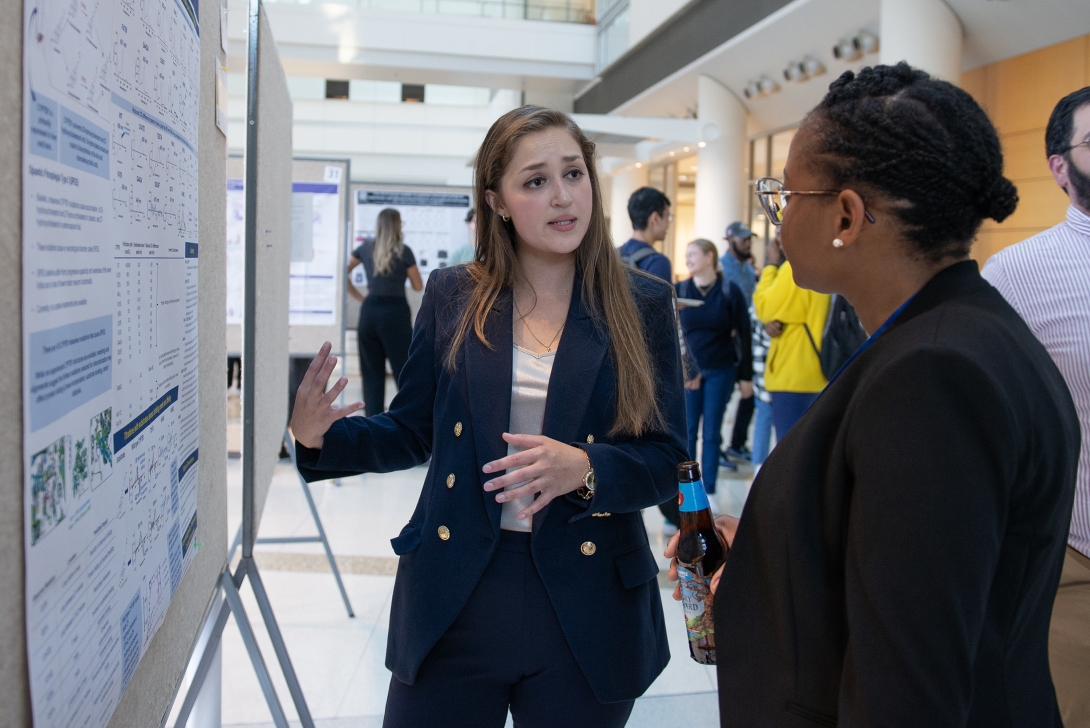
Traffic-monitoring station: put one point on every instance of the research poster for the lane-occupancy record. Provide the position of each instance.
(110, 418)
(315, 262)
(433, 224)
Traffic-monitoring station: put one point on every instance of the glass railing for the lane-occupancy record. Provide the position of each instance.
(559, 11)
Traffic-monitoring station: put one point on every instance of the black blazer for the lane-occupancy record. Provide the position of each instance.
(900, 550)
(608, 601)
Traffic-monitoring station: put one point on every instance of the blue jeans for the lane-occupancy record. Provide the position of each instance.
(709, 402)
(762, 431)
(788, 408)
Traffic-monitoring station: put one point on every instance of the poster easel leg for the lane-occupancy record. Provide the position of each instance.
(218, 617)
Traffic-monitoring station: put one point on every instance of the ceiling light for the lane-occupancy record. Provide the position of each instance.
(847, 50)
(795, 71)
(867, 41)
(685, 149)
(638, 165)
(752, 90)
(671, 154)
(702, 144)
(768, 86)
(813, 66)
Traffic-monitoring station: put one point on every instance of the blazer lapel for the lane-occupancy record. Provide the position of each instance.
(488, 377)
(579, 357)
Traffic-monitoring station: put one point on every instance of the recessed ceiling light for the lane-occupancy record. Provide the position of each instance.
(638, 165)
(702, 144)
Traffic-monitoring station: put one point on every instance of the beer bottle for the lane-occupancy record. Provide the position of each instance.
(700, 552)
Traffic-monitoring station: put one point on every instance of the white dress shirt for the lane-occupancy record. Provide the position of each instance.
(1046, 279)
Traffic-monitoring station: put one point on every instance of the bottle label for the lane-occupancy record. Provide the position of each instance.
(691, 497)
(696, 603)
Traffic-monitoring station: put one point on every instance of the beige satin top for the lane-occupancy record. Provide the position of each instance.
(529, 385)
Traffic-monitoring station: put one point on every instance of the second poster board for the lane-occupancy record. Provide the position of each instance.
(319, 204)
(433, 221)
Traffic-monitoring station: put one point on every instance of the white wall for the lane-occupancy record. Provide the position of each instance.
(646, 15)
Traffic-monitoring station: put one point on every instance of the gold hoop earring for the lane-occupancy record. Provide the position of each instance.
(838, 243)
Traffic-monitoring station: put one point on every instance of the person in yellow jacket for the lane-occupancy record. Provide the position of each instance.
(792, 370)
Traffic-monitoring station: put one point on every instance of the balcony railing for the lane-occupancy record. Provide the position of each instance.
(559, 11)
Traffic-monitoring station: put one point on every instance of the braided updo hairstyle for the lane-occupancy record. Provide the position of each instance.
(923, 143)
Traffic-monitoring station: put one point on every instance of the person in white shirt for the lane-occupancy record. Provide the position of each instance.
(1046, 279)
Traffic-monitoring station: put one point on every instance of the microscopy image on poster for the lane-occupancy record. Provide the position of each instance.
(110, 255)
(433, 224)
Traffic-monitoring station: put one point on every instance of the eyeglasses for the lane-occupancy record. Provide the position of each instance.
(1084, 143)
(774, 198)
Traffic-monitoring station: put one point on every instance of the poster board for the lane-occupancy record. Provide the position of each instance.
(432, 220)
(318, 234)
(86, 128)
(273, 260)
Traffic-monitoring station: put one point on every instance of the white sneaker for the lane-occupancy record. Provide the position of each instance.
(668, 529)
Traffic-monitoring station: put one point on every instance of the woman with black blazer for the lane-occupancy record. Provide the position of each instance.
(544, 382)
(900, 550)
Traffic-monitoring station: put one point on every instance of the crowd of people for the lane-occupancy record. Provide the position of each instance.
(914, 551)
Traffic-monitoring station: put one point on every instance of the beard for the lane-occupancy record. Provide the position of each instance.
(1079, 185)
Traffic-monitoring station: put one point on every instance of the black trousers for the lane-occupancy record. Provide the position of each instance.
(741, 423)
(384, 333)
(505, 650)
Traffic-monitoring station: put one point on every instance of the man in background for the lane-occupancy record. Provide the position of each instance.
(1046, 279)
(737, 265)
(649, 211)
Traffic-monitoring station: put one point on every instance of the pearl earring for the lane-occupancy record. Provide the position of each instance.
(838, 243)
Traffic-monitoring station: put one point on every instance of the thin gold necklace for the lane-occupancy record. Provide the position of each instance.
(526, 324)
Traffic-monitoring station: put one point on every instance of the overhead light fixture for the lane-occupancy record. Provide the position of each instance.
(847, 50)
(852, 49)
(685, 149)
(638, 165)
(760, 88)
(813, 66)
(671, 154)
(702, 144)
(795, 71)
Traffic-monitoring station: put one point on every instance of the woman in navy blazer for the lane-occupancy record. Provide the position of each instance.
(562, 624)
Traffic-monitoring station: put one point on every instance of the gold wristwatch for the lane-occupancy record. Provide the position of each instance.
(586, 491)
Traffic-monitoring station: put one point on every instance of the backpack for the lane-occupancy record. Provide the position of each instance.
(636, 257)
(842, 336)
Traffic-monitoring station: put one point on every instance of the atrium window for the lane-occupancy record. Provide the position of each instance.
(612, 34)
(412, 93)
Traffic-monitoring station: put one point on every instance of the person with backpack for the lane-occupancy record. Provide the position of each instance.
(793, 373)
(716, 326)
(649, 211)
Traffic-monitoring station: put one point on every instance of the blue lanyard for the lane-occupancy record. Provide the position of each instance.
(871, 339)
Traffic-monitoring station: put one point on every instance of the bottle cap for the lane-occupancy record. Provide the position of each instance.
(688, 472)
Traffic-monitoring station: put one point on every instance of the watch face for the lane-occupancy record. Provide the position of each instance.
(589, 481)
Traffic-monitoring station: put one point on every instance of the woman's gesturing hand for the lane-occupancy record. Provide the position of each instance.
(548, 467)
(727, 526)
(314, 408)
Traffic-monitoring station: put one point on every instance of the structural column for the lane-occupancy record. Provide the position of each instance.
(624, 184)
(926, 33)
(720, 173)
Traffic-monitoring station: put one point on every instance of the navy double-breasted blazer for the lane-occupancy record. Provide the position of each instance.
(606, 597)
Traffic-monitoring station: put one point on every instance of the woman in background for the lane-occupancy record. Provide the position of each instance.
(718, 338)
(385, 328)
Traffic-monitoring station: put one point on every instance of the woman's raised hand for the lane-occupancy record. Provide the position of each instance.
(314, 409)
(727, 526)
(549, 467)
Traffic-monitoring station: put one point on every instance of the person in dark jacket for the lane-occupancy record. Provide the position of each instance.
(649, 211)
(544, 382)
(900, 550)
(718, 337)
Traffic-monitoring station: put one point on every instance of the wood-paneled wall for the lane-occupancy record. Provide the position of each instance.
(1019, 94)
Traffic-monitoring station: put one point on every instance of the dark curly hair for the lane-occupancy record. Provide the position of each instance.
(923, 143)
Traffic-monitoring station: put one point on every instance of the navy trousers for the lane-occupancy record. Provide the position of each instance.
(384, 332)
(505, 650)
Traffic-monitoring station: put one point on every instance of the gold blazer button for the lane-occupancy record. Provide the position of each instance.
(450, 480)
(457, 429)
(588, 548)
(444, 533)
(590, 438)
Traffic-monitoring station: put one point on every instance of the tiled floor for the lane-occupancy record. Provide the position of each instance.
(340, 661)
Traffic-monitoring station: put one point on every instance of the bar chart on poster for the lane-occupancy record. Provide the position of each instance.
(110, 255)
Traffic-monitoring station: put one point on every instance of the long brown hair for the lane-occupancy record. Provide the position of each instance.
(388, 240)
(607, 290)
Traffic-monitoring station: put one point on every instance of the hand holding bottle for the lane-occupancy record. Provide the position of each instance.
(726, 526)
